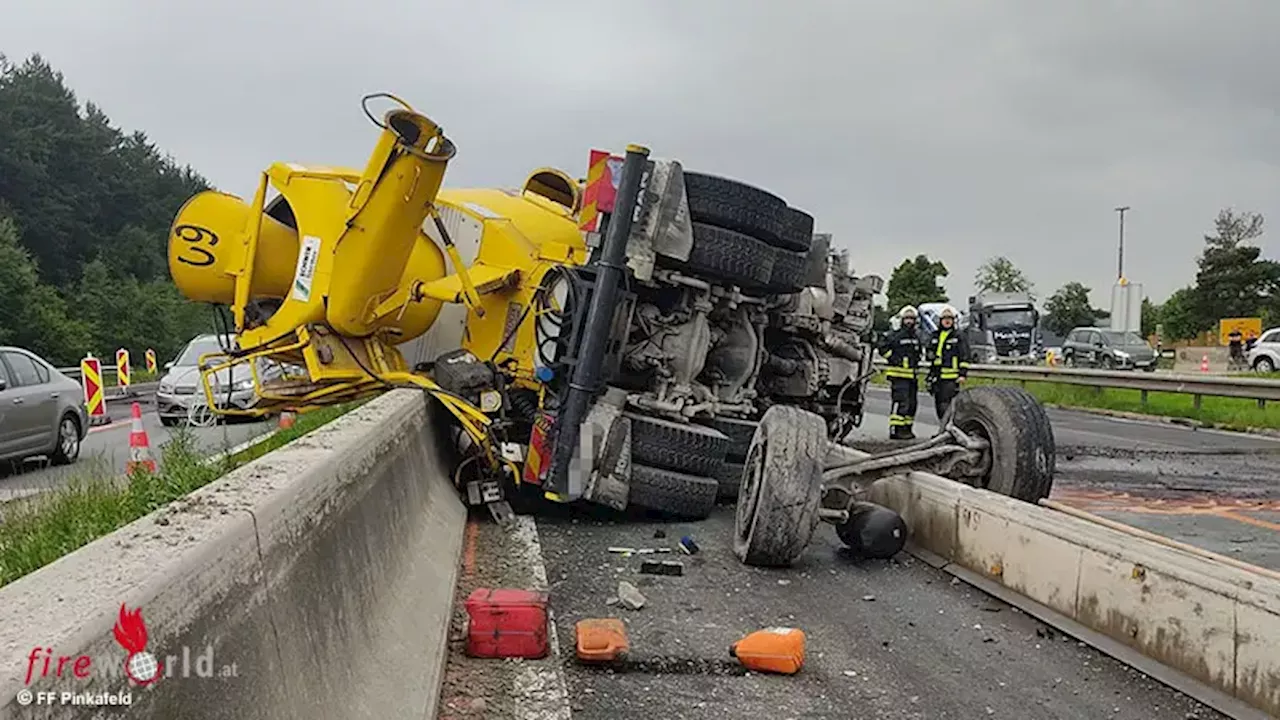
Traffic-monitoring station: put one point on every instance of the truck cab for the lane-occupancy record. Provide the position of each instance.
(1003, 328)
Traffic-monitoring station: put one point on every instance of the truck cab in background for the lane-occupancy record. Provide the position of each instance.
(1004, 328)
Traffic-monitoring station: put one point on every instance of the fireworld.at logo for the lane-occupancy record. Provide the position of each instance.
(140, 666)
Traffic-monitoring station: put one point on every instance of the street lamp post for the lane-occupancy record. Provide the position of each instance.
(1120, 260)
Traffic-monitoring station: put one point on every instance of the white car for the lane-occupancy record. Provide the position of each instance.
(181, 385)
(1265, 355)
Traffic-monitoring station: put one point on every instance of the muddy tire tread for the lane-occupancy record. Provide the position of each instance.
(672, 493)
(733, 205)
(790, 446)
(671, 445)
(729, 480)
(797, 231)
(1024, 451)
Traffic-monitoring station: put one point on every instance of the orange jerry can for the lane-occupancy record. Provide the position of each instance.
(601, 640)
(773, 650)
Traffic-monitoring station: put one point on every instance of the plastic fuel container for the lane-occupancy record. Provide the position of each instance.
(506, 623)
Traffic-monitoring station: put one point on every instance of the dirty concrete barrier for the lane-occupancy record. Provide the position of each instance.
(314, 582)
(1211, 621)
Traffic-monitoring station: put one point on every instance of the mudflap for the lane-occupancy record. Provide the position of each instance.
(662, 226)
(609, 483)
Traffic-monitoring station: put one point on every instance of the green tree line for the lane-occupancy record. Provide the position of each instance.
(1233, 280)
(85, 209)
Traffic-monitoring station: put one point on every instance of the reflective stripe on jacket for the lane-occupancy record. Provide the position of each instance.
(948, 354)
(901, 351)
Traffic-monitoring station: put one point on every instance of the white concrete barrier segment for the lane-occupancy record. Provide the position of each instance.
(1213, 622)
(313, 582)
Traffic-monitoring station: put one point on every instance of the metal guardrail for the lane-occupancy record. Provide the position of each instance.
(1198, 386)
(110, 389)
(108, 370)
(1182, 383)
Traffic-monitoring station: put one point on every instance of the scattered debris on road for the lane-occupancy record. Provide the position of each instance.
(773, 650)
(601, 640)
(662, 567)
(630, 596)
(507, 623)
(688, 546)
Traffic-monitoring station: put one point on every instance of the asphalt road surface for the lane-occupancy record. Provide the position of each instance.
(885, 639)
(105, 450)
(1216, 490)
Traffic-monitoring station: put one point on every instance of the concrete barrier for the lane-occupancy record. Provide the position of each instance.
(313, 582)
(1187, 359)
(1215, 623)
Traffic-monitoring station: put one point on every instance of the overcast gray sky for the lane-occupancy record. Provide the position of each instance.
(961, 129)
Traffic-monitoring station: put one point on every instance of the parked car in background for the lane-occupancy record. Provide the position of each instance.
(1108, 349)
(1265, 355)
(181, 386)
(41, 410)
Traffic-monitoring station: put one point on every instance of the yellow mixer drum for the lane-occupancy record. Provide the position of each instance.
(207, 248)
(208, 245)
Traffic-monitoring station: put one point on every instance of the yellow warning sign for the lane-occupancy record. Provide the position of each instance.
(1246, 326)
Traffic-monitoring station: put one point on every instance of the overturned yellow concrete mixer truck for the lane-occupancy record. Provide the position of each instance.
(704, 345)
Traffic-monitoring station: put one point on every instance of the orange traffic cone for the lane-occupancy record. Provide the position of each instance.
(139, 445)
(287, 419)
(1204, 363)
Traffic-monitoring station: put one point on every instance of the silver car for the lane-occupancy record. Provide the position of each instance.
(41, 410)
(181, 386)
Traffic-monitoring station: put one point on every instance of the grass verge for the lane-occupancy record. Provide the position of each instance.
(1228, 413)
(38, 531)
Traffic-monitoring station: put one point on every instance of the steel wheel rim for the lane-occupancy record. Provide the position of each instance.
(978, 427)
(69, 438)
(749, 494)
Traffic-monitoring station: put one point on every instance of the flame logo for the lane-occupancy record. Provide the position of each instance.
(131, 632)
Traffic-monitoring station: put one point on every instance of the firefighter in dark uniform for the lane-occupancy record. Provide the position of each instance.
(901, 350)
(948, 356)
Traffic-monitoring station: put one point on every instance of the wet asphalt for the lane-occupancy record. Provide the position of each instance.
(1216, 490)
(896, 639)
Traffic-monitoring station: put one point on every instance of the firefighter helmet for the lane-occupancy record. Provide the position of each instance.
(947, 312)
(907, 311)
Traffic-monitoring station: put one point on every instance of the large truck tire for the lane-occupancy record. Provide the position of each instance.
(671, 493)
(797, 231)
(729, 480)
(1023, 454)
(671, 445)
(739, 433)
(781, 488)
(726, 256)
(737, 206)
(789, 270)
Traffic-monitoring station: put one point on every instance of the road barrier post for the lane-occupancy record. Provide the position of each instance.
(95, 399)
(151, 361)
(122, 368)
